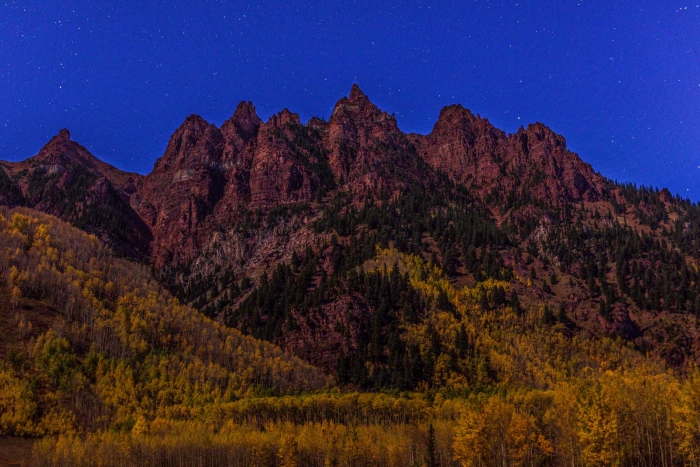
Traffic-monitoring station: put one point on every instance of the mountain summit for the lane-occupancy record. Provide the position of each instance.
(65, 180)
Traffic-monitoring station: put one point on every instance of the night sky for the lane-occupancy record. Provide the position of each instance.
(619, 79)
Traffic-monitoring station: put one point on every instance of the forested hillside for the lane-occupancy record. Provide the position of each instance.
(110, 370)
(91, 341)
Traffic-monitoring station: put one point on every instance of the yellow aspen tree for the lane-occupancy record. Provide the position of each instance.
(288, 451)
(16, 296)
(598, 431)
(471, 442)
(140, 427)
(687, 419)
(563, 416)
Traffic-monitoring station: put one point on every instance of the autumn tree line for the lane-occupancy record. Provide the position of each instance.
(629, 418)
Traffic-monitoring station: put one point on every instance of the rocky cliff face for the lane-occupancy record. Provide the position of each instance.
(366, 149)
(183, 188)
(473, 152)
(278, 174)
(210, 177)
(466, 147)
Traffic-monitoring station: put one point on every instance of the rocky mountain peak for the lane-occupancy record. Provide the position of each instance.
(283, 118)
(541, 133)
(194, 143)
(355, 128)
(63, 135)
(462, 145)
(457, 120)
(244, 122)
(471, 150)
(239, 130)
(61, 141)
(60, 150)
(356, 93)
(358, 105)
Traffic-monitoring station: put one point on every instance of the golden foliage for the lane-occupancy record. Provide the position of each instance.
(511, 348)
(147, 354)
(133, 377)
(17, 407)
(499, 434)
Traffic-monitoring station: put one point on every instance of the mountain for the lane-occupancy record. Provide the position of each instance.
(65, 180)
(265, 227)
(342, 293)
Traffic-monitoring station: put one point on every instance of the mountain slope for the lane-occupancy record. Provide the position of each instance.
(65, 180)
(103, 343)
(110, 370)
(262, 225)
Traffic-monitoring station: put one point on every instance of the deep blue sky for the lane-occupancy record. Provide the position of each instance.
(619, 79)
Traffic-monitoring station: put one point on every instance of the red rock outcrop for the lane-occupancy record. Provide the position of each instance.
(208, 177)
(462, 145)
(239, 130)
(563, 174)
(365, 147)
(239, 133)
(472, 151)
(183, 188)
(278, 174)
